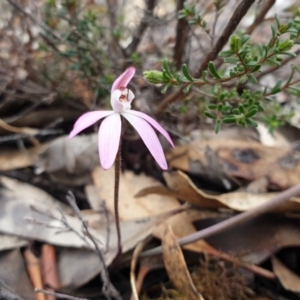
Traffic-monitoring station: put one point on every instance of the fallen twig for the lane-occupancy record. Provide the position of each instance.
(278, 200)
(61, 296)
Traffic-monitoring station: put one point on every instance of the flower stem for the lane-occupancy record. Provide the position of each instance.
(116, 198)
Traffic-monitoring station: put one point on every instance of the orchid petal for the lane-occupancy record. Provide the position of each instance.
(123, 79)
(149, 137)
(87, 120)
(153, 123)
(109, 140)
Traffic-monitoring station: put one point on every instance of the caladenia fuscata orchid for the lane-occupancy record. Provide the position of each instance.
(109, 135)
(110, 128)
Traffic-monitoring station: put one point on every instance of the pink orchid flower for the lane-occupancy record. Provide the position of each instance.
(110, 128)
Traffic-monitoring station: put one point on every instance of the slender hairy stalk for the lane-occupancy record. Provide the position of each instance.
(116, 198)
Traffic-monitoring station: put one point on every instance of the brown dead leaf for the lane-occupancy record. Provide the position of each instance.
(42, 117)
(151, 205)
(288, 278)
(256, 240)
(176, 267)
(70, 161)
(11, 160)
(182, 186)
(25, 130)
(240, 159)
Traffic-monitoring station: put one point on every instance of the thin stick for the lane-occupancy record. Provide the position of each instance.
(237, 16)
(137, 36)
(182, 31)
(136, 253)
(278, 200)
(62, 296)
(116, 198)
(108, 289)
(275, 68)
(261, 16)
(34, 20)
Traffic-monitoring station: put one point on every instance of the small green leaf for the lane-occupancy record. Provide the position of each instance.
(232, 73)
(226, 108)
(220, 107)
(252, 122)
(269, 99)
(274, 34)
(155, 77)
(209, 115)
(277, 20)
(186, 73)
(226, 53)
(164, 89)
(213, 70)
(291, 54)
(212, 106)
(228, 120)
(274, 60)
(166, 67)
(284, 46)
(251, 63)
(292, 31)
(241, 109)
(265, 51)
(187, 88)
(290, 77)
(243, 79)
(255, 68)
(277, 88)
(204, 76)
(252, 79)
(234, 43)
(166, 75)
(252, 112)
(294, 91)
(217, 126)
(216, 89)
(231, 60)
(244, 39)
(290, 24)
(181, 16)
(296, 68)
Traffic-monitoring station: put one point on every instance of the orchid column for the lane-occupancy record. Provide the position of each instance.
(110, 132)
